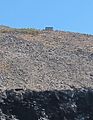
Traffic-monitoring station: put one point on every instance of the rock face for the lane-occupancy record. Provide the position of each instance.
(47, 105)
(45, 75)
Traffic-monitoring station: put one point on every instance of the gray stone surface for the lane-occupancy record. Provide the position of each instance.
(51, 60)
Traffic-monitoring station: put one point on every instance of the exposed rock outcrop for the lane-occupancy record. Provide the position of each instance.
(47, 105)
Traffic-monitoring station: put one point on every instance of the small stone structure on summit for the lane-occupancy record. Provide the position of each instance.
(49, 28)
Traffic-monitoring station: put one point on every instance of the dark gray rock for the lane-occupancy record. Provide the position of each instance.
(47, 105)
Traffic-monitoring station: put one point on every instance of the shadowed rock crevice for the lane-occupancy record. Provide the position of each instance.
(47, 105)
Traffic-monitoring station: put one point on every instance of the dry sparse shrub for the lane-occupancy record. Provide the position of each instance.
(22, 31)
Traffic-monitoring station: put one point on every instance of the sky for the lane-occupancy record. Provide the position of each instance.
(65, 15)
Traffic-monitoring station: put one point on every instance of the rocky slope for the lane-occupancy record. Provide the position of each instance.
(45, 62)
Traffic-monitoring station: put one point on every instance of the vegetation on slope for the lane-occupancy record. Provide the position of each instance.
(5, 29)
